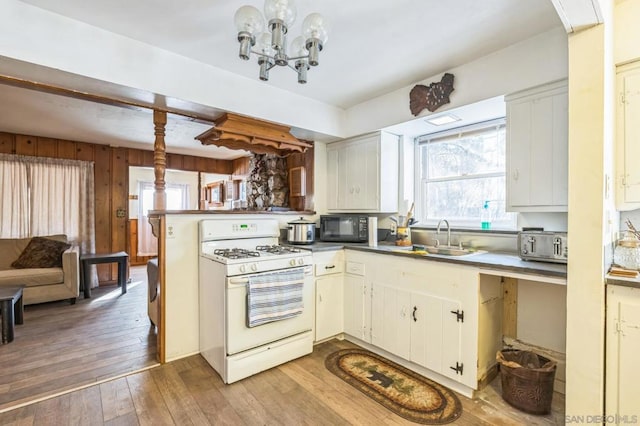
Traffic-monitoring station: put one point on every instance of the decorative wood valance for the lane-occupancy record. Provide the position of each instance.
(261, 137)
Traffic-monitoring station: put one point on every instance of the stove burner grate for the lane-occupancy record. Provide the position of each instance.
(236, 253)
(275, 249)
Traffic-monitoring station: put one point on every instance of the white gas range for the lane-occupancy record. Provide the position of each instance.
(236, 254)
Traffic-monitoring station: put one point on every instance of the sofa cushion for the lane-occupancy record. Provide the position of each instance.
(41, 253)
(10, 248)
(32, 277)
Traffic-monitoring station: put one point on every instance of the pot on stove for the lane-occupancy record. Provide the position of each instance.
(301, 231)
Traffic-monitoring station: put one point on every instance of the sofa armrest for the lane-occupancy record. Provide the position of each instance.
(71, 269)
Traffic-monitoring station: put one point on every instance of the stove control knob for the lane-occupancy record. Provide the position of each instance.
(292, 262)
(254, 267)
(243, 268)
(300, 261)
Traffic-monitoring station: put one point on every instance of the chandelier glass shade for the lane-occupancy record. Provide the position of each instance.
(270, 46)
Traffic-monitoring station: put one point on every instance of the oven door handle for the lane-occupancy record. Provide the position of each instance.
(308, 270)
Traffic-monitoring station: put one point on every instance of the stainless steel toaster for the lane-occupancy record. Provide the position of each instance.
(544, 246)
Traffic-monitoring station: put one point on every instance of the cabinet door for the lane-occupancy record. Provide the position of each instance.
(623, 346)
(435, 334)
(537, 150)
(628, 138)
(355, 295)
(335, 183)
(329, 306)
(390, 320)
(363, 174)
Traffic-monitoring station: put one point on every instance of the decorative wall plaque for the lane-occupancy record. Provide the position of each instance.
(432, 96)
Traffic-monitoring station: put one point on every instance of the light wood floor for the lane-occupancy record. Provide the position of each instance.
(62, 346)
(189, 391)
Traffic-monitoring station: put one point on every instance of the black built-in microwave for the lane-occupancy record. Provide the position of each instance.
(347, 228)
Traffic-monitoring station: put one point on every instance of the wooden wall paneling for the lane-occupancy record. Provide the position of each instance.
(26, 145)
(189, 163)
(224, 167)
(134, 157)
(7, 143)
(241, 166)
(87, 151)
(174, 161)
(66, 149)
(147, 159)
(119, 203)
(305, 160)
(103, 209)
(47, 147)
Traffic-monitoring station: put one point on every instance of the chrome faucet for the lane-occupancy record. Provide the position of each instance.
(448, 231)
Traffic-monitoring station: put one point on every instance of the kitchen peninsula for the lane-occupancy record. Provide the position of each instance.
(473, 283)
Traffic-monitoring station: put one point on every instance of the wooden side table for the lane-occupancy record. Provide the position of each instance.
(12, 311)
(86, 260)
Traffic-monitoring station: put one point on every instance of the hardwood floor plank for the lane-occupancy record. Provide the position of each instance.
(116, 400)
(53, 411)
(204, 383)
(181, 404)
(148, 401)
(23, 416)
(86, 407)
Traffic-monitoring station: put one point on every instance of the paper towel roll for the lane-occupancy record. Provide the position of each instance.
(373, 231)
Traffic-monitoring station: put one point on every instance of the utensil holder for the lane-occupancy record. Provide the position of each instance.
(403, 236)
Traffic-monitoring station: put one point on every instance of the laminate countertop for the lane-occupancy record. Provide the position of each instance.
(493, 261)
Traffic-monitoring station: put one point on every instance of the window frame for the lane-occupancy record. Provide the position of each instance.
(421, 183)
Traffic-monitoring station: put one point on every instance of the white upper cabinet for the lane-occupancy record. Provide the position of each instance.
(362, 174)
(628, 137)
(537, 149)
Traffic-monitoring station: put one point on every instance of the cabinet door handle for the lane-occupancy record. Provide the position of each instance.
(320, 298)
(516, 175)
(403, 312)
(415, 309)
(330, 267)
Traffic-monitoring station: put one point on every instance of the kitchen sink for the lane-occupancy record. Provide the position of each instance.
(450, 250)
(420, 250)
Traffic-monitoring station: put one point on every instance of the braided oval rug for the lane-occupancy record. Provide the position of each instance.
(400, 390)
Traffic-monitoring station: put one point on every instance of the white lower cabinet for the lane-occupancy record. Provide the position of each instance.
(390, 319)
(357, 302)
(623, 347)
(329, 273)
(425, 312)
(435, 335)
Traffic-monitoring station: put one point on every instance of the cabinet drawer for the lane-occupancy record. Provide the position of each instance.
(355, 268)
(326, 263)
(329, 268)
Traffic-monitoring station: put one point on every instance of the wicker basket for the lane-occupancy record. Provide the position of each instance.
(527, 380)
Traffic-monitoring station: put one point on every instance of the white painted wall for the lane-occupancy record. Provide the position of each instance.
(526, 64)
(588, 142)
(542, 310)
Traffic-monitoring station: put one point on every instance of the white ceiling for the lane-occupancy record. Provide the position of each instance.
(375, 47)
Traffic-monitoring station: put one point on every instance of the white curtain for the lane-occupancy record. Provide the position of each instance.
(14, 203)
(46, 196)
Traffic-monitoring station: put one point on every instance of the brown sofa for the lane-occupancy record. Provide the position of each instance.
(41, 284)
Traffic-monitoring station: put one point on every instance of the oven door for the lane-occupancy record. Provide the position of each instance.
(240, 338)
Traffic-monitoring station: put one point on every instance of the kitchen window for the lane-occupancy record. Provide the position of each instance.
(461, 171)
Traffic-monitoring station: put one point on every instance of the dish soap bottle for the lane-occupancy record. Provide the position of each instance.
(485, 216)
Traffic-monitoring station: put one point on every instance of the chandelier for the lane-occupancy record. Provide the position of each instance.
(270, 47)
